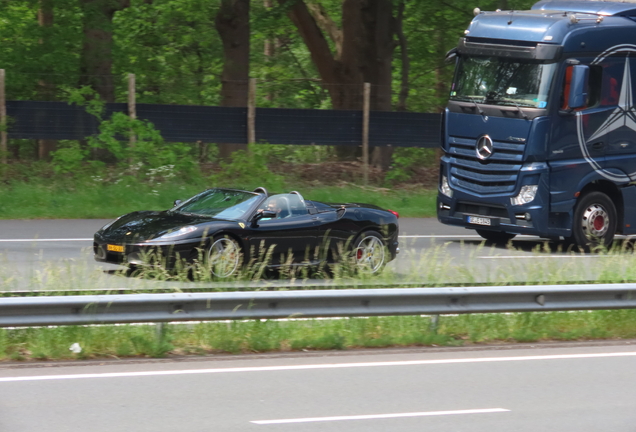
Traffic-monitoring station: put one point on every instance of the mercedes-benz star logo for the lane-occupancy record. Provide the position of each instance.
(484, 147)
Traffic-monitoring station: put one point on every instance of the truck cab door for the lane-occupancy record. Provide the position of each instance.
(620, 126)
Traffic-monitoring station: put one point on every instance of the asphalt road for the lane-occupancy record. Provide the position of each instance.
(582, 389)
(52, 254)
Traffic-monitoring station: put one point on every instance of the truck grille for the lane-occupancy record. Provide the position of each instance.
(497, 174)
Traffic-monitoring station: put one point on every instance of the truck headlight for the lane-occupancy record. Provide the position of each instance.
(526, 195)
(445, 187)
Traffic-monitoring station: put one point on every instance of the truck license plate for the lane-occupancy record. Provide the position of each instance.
(479, 220)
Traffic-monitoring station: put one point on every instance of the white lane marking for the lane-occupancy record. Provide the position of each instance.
(316, 366)
(380, 416)
(466, 236)
(45, 240)
(542, 256)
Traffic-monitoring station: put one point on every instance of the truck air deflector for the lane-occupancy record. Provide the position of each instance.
(539, 52)
(590, 7)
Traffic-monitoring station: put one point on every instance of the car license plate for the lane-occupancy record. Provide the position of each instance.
(479, 220)
(114, 248)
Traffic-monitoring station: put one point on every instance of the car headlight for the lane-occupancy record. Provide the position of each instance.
(526, 195)
(445, 187)
(178, 233)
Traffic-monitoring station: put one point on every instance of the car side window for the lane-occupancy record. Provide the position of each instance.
(285, 206)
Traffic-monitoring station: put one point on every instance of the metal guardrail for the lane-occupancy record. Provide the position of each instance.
(132, 308)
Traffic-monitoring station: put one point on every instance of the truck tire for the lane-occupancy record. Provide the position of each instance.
(594, 223)
(496, 236)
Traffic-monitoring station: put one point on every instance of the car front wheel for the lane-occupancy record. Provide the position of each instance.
(224, 257)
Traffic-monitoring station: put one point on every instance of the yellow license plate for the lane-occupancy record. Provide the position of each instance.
(114, 248)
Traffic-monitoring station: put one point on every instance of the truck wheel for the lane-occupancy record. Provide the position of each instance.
(496, 236)
(594, 222)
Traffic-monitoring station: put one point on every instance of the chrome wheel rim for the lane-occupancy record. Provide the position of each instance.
(595, 221)
(369, 254)
(224, 257)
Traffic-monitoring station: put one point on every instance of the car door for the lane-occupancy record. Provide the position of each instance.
(291, 237)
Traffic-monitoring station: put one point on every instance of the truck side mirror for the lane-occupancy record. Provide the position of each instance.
(451, 56)
(579, 86)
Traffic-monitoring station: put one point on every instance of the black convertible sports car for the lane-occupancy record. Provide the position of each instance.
(228, 229)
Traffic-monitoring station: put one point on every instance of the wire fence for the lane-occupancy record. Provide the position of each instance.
(296, 112)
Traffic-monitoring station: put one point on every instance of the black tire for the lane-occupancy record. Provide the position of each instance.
(369, 252)
(224, 257)
(496, 236)
(595, 221)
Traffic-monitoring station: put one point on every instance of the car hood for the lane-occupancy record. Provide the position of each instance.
(147, 225)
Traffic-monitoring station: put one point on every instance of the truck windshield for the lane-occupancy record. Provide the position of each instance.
(498, 81)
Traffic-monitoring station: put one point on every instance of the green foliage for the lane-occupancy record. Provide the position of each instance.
(406, 160)
(248, 170)
(132, 142)
(69, 157)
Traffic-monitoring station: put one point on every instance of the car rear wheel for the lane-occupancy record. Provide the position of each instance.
(594, 222)
(496, 236)
(224, 257)
(369, 252)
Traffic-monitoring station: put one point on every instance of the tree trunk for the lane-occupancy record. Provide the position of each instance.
(233, 25)
(367, 52)
(46, 88)
(96, 61)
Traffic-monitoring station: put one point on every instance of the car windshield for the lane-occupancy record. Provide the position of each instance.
(219, 203)
(497, 81)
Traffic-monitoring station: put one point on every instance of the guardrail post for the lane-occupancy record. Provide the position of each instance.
(159, 332)
(434, 323)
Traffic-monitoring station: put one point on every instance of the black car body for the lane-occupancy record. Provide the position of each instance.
(231, 228)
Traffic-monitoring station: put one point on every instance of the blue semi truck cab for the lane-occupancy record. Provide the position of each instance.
(539, 135)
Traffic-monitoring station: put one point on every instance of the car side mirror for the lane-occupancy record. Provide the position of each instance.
(264, 214)
(176, 203)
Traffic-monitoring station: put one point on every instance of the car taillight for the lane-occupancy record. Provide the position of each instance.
(397, 215)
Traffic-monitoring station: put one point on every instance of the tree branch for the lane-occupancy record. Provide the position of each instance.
(313, 38)
(327, 25)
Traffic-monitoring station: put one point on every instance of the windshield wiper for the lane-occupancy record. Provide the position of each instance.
(512, 101)
(471, 99)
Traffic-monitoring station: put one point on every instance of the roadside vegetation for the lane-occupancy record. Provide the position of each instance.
(433, 267)
(70, 187)
(257, 336)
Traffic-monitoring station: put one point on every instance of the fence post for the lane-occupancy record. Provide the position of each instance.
(365, 132)
(3, 120)
(251, 112)
(132, 105)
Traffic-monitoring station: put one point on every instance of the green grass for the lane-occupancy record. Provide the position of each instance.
(333, 334)
(95, 200)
